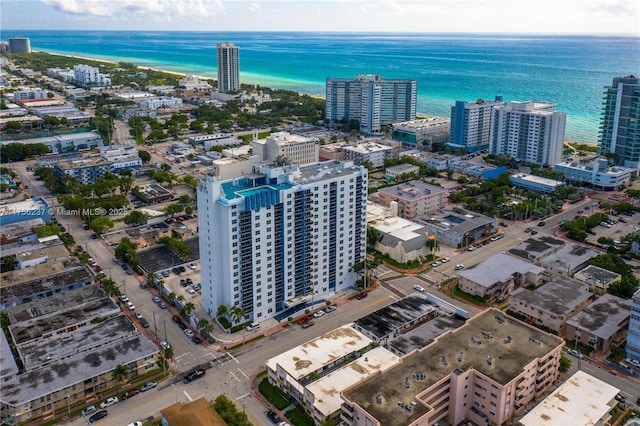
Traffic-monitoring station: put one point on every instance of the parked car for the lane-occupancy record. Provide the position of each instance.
(85, 226)
(273, 417)
(308, 324)
(190, 290)
(527, 230)
(436, 264)
(162, 305)
(471, 248)
(446, 259)
(188, 332)
(192, 266)
(109, 402)
(541, 223)
(196, 340)
(182, 325)
(98, 416)
(318, 314)
(195, 374)
(304, 319)
(148, 386)
(175, 319)
(362, 295)
(252, 327)
(459, 266)
(182, 268)
(164, 344)
(136, 423)
(143, 285)
(139, 315)
(131, 393)
(144, 322)
(90, 409)
(418, 287)
(165, 273)
(131, 306)
(331, 308)
(129, 271)
(534, 232)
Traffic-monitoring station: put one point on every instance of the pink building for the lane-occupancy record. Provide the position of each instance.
(414, 198)
(485, 371)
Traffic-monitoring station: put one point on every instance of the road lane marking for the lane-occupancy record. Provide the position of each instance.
(234, 376)
(187, 395)
(233, 357)
(243, 396)
(242, 372)
(181, 356)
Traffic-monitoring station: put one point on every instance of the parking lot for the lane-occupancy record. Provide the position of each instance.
(618, 229)
(185, 283)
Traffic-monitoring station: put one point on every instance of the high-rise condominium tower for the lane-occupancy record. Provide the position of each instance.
(19, 45)
(471, 124)
(282, 237)
(228, 67)
(620, 123)
(372, 100)
(531, 131)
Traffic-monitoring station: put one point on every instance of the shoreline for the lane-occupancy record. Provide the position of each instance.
(183, 74)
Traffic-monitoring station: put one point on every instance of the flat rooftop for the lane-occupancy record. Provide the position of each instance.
(402, 168)
(559, 296)
(40, 317)
(400, 228)
(20, 229)
(75, 369)
(425, 334)
(538, 179)
(498, 268)
(50, 276)
(40, 352)
(8, 366)
(51, 252)
(23, 207)
(581, 400)
(456, 219)
(536, 247)
(395, 316)
(367, 148)
(413, 190)
(594, 274)
(313, 355)
(486, 334)
(569, 257)
(326, 391)
(604, 317)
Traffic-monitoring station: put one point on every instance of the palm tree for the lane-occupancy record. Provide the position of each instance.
(205, 327)
(237, 313)
(120, 373)
(187, 309)
(222, 312)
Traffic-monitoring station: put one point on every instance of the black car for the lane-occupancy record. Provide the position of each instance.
(124, 266)
(182, 326)
(144, 322)
(196, 340)
(176, 271)
(541, 223)
(98, 416)
(534, 232)
(195, 374)
(273, 417)
(182, 269)
(622, 220)
(590, 232)
(85, 227)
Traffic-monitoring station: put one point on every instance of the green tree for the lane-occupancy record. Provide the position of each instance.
(120, 373)
(48, 230)
(100, 224)
(187, 309)
(237, 313)
(373, 235)
(205, 327)
(222, 312)
(136, 218)
(565, 364)
(185, 199)
(173, 209)
(144, 156)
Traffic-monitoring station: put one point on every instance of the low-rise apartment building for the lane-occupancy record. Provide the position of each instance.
(485, 371)
(32, 208)
(369, 152)
(285, 146)
(414, 198)
(457, 227)
(498, 276)
(535, 183)
(598, 279)
(597, 173)
(552, 304)
(603, 322)
(64, 143)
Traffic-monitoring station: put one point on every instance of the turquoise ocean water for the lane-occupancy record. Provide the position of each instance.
(568, 70)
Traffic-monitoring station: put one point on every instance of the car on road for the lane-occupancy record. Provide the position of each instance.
(148, 386)
(620, 398)
(143, 285)
(318, 314)
(418, 287)
(574, 352)
(196, 340)
(471, 248)
(195, 374)
(164, 344)
(124, 298)
(139, 315)
(109, 402)
(252, 327)
(129, 271)
(90, 409)
(156, 299)
(362, 295)
(80, 249)
(98, 416)
(436, 264)
(459, 266)
(130, 394)
(541, 223)
(162, 305)
(446, 259)
(94, 236)
(188, 332)
(273, 417)
(331, 308)
(527, 230)
(144, 323)
(308, 324)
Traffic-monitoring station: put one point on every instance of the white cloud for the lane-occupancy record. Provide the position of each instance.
(254, 7)
(143, 8)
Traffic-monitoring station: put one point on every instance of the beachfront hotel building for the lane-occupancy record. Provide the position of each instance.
(485, 371)
(86, 75)
(619, 125)
(272, 240)
(228, 67)
(532, 132)
(19, 45)
(372, 100)
(471, 124)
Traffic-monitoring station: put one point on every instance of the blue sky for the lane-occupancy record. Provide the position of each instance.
(473, 16)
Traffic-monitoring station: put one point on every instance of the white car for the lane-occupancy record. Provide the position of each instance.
(131, 306)
(192, 266)
(109, 402)
(419, 288)
(164, 344)
(459, 266)
(138, 315)
(190, 290)
(188, 332)
(435, 264)
(136, 423)
(318, 314)
(252, 327)
(471, 248)
(446, 259)
(124, 298)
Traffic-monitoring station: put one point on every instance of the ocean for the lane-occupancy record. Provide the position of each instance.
(570, 71)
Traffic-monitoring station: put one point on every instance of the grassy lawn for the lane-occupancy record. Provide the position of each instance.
(468, 297)
(298, 417)
(273, 394)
